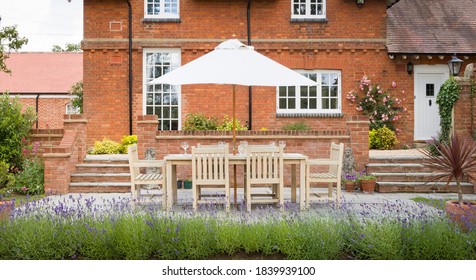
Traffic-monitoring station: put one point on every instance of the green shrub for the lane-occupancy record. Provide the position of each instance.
(6, 178)
(227, 124)
(297, 126)
(126, 141)
(31, 179)
(105, 146)
(15, 127)
(382, 138)
(198, 121)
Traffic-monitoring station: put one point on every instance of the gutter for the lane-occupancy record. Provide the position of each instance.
(250, 90)
(130, 65)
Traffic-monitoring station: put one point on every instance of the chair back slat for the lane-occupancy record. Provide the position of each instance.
(263, 162)
(210, 164)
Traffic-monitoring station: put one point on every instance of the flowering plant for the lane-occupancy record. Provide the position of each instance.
(350, 178)
(364, 176)
(382, 108)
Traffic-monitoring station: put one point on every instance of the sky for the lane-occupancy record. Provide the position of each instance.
(44, 22)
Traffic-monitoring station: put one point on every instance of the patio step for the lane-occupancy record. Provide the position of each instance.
(406, 173)
(100, 187)
(101, 173)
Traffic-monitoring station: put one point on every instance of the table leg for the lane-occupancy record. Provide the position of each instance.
(170, 177)
(293, 183)
(302, 184)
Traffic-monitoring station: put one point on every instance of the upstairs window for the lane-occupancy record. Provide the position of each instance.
(308, 9)
(165, 9)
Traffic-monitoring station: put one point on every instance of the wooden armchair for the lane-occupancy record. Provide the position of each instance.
(264, 167)
(147, 177)
(210, 169)
(332, 176)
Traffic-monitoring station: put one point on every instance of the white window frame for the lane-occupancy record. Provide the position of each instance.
(156, 88)
(319, 109)
(308, 10)
(162, 4)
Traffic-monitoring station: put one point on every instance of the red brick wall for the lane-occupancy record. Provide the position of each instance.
(50, 110)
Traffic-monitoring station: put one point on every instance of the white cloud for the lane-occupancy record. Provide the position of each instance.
(44, 22)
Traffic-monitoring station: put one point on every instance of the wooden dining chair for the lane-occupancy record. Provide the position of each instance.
(330, 176)
(264, 168)
(147, 177)
(210, 169)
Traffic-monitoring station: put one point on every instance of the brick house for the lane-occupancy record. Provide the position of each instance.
(42, 81)
(128, 43)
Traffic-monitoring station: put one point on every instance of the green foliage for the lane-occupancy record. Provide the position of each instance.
(10, 40)
(126, 141)
(31, 179)
(446, 98)
(297, 126)
(105, 146)
(77, 91)
(198, 121)
(392, 234)
(15, 127)
(6, 178)
(453, 160)
(68, 47)
(382, 139)
(378, 104)
(227, 124)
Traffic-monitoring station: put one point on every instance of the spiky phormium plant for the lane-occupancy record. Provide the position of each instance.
(455, 160)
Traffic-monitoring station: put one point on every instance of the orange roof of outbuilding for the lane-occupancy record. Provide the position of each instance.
(42, 72)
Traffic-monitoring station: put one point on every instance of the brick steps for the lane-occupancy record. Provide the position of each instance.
(100, 174)
(407, 174)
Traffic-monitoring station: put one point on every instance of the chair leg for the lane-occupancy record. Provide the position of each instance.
(338, 185)
(281, 196)
(227, 198)
(308, 193)
(329, 189)
(194, 196)
(164, 198)
(248, 197)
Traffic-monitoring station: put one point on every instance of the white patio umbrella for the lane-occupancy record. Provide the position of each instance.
(236, 64)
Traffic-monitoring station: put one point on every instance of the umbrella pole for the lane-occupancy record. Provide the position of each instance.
(234, 144)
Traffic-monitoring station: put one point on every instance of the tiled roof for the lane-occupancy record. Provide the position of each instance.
(42, 72)
(432, 27)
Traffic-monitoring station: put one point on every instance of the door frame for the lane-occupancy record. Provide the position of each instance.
(425, 69)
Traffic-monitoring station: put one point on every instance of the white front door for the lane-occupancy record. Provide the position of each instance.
(428, 80)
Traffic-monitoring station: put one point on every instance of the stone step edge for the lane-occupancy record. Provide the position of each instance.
(101, 174)
(100, 184)
(394, 165)
(99, 165)
(396, 157)
(406, 174)
(422, 183)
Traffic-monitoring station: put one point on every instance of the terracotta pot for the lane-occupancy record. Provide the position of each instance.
(368, 186)
(6, 208)
(349, 186)
(464, 215)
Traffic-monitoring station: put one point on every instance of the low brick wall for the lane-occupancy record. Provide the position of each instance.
(314, 144)
(61, 159)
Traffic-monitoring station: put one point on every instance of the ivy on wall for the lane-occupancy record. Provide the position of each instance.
(446, 98)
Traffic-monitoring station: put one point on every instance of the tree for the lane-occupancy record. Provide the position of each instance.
(77, 91)
(69, 47)
(10, 40)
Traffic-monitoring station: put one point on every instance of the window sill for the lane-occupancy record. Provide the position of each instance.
(322, 20)
(309, 115)
(172, 20)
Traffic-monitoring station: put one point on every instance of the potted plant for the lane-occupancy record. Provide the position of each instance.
(454, 160)
(349, 181)
(187, 184)
(367, 182)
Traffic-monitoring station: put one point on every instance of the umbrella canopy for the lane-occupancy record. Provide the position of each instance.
(236, 64)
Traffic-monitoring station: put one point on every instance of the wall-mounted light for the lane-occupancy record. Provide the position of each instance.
(455, 65)
(359, 3)
(410, 68)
